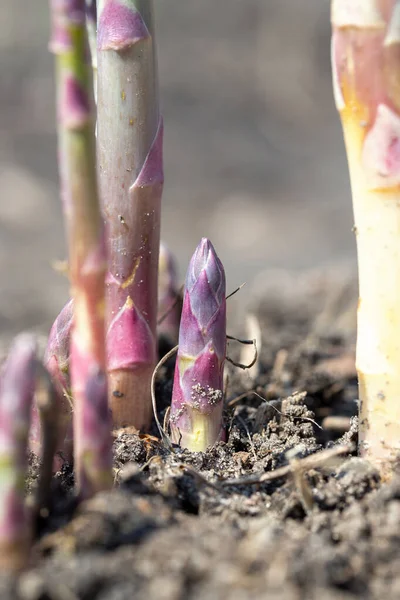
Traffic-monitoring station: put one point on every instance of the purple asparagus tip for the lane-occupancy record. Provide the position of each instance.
(169, 300)
(56, 356)
(56, 361)
(196, 409)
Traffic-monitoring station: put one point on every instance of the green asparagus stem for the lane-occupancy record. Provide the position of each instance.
(129, 142)
(87, 258)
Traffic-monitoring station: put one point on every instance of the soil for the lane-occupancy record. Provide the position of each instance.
(247, 518)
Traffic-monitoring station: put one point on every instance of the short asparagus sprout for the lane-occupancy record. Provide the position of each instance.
(366, 71)
(56, 361)
(87, 256)
(16, 397)
(169, 301)
(197, 397)
(129, 142)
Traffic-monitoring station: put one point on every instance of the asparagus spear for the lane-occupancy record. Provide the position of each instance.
(129, 141)
(87, 258)
(16, 395)
(49, 415)
(56, 361)
(169, 301)
(196, 408)
(366, 78)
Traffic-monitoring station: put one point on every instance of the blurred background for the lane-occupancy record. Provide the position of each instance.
(254, 157)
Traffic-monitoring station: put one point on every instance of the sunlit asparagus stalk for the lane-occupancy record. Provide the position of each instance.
(87, 258)
(129, 141)
(366, 79)
(16, 395)
(169, 301)
(56, 361)
(196, 409)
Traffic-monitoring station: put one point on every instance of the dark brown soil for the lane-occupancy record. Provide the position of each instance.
(182, 526)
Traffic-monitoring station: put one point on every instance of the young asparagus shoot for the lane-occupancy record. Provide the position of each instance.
(169, 301)
(366, 83)
(87, 257)
(129, 142)
(16, 396)
(56, 361)
(197, 396)
(49, 415)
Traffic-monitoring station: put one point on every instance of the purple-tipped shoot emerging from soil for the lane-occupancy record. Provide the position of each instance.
(56, 361)
(87, 256)
(16, 397)
(169, 301)
(197, 397)
(129, 142)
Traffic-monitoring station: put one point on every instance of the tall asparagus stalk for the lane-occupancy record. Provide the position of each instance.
(196, 407)
(87, 258)
(129, 142)
(366, 79)
(16, 395)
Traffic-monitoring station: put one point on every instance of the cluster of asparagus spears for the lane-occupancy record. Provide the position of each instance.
(102, 349)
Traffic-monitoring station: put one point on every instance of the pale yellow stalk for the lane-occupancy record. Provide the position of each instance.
(366, 78)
